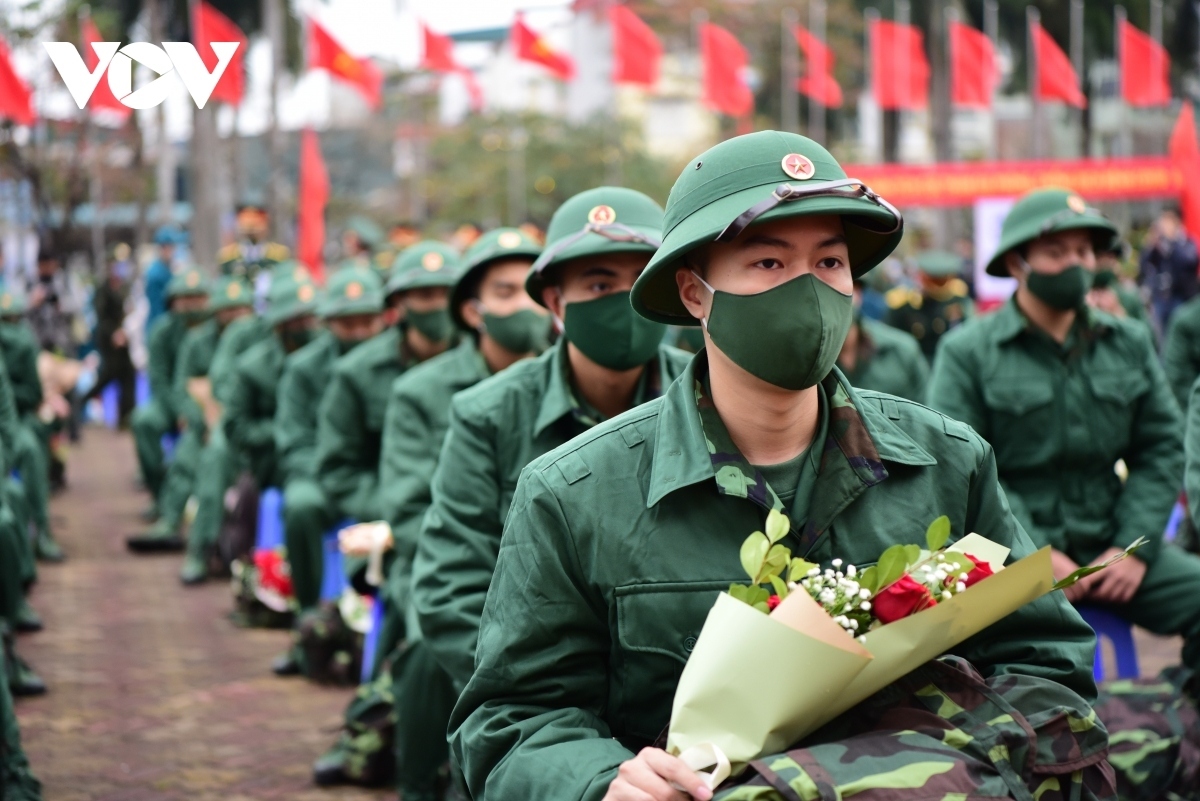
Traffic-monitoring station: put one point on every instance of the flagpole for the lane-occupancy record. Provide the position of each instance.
(789, 98)
(1032, 21)
(991, 27)
(1077, 63)
(1126, 133)
(871, 16)
(816, 108)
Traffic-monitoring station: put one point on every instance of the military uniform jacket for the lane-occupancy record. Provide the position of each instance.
(350, 423)
(305, 376)
(1191, 482)
(19, 350)
(166, 340)
(237, 338)
(1060, 417)
(418, 414)
(1181, 351)
(247, 259)
(250, 410)
(9, 422)
(618, 543)
(890, 361)
(496, 428)
(195, 357)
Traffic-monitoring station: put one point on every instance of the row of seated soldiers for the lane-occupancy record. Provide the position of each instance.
(26, 420)
(360, 402)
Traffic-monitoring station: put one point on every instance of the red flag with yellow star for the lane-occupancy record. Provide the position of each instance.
(529, 46)
(326, 53)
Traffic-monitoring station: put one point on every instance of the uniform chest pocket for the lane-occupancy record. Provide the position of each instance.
(1116, 396)
(1017, 397)
(657, 627)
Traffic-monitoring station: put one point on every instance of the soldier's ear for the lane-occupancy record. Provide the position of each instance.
(552, 298)
(1012, 261)
(471, 315)
(692, 293)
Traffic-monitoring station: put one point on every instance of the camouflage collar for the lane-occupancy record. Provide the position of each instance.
(693, 445)
(560, 399)
(1011, 322)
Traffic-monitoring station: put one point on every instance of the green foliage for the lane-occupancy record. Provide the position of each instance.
(938, 534)
(1088, 570)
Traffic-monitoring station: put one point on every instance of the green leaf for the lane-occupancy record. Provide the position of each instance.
(938, 534)
(779, 586)
(738, 592)
(869, 579)
(799, 569)
(762, 607)
(778, 526)
(913, 554)
(959, 563)
(891, 566)
(754, 551)
(1090, 569)
(757, 595)
(777, 559)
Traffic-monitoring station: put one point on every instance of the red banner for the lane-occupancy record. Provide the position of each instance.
(961, 184)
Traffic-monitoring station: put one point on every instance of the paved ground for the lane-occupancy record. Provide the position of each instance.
(154, 694)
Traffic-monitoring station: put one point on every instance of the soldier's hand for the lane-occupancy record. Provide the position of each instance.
(649, 776)
(1063, 566)
(1118, 582)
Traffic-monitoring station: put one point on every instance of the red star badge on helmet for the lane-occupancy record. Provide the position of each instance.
(799, 167)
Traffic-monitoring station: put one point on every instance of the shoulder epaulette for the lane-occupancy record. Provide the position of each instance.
(277, 251)
(902, 296)
(229, 252)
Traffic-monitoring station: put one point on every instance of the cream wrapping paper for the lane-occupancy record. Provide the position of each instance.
(819, 671)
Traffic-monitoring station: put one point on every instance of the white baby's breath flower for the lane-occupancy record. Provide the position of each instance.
(851, 571)
(945, 595)
(864, 594)
(836, 563)
(961, 586)
(865, 606)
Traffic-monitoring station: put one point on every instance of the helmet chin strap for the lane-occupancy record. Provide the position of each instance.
(711, 291)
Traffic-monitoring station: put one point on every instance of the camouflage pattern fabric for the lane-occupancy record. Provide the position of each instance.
(1154, 737)
(368, 734)
(329, 651)
(848, 448)
(944, 733)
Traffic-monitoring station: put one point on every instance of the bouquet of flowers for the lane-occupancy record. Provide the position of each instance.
(846, 632)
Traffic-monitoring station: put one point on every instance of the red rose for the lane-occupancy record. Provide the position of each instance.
(773, 602)
(982, 570)
(273, 573)
(905, 597)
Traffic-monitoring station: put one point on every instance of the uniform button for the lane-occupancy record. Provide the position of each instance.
(689, 644)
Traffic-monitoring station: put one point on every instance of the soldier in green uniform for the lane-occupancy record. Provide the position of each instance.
(881, 358)
(489, 301)
(1191, 476)
(1181, 350)
(941, 302)
(1109, 292)
(218, 465)
(229, 300)
(17, 782)
(253, 396)
(1063, 392)
(608, 360)
(351, 308)
(18, 569)
(19, 352)
(186, 299)
(617, 544)
(350, 419)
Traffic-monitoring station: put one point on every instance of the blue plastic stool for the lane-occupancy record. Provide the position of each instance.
(1177, 514)
(1120, 633)
(333, 576)
(270, 532)
(371, 643)
(110, 400)
(169, 443)
(142, 388)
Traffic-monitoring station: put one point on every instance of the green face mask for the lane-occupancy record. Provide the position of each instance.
(1063, 291)
(344, 346)
(609, 332)
(436, 325)
(789, 336)
(191, 318)
(294, 340)
(524, 331)
(1104, 278)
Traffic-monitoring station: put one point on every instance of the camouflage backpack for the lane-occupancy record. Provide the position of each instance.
(330, 651)
(944, 732)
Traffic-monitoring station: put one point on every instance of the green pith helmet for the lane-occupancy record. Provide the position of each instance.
(352, 290)
(290, 269)
(1047, 211)
(12, 304)
(502, 243)
(229, 292)
(367, 231)
(189, 283)
(289, 299)
(425, 264)
(759, 177)
(939, 263)
(607, 219)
